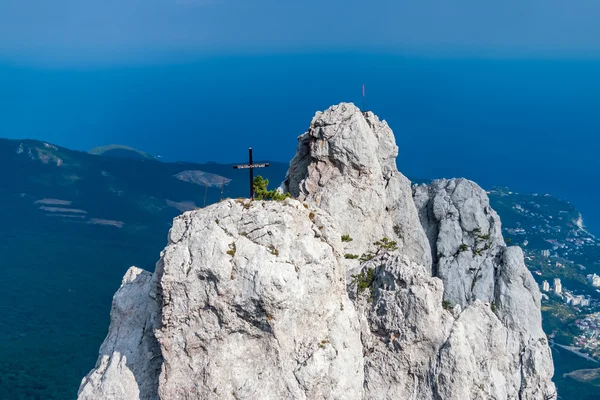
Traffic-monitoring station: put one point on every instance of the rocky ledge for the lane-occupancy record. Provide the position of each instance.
(264, 300)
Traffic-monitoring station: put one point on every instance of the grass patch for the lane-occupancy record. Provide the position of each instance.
(231, 250)
(346, 238)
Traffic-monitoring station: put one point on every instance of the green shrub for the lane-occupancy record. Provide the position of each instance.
(447, 305)
(463, 247)
(368, 256)
(349, 256)
(385, 244)
(262, 193)
(346, 238)
(364, 280)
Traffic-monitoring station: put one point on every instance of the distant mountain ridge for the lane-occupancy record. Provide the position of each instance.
(121, 151)
(127, 188)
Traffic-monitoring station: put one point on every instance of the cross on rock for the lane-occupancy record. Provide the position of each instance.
(251, 167)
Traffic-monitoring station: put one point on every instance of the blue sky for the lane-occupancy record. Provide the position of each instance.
(121, 30)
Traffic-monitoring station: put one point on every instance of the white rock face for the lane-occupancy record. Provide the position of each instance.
(346, 165)
(470, 257)
(253, 300)
(403, 329)
(465, 238)
(255, 307)
(130, 359)
(415, 349)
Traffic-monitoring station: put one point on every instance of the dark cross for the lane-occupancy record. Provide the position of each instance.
(251, 167)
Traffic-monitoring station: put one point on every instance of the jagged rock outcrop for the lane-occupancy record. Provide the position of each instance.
(470, 257)
(403, 328)
(465, 238)
(415, 349)
(255, 299)
(130, 358)
(346, 165)
(253, 306)
(259, 310)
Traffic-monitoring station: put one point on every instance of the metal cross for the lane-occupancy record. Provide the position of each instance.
(251, 167)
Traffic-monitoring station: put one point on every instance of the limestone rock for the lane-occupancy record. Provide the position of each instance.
(415, 349)
(465, 237)
(470, 257)
(403, 328)
(346, 165)
(130, 359)
(255, 306)
(253, 299)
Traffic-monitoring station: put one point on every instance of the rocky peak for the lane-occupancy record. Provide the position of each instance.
(345, 164)
(252, 299)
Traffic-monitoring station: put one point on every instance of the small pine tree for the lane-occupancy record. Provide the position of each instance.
(385, 244)
(262, 193)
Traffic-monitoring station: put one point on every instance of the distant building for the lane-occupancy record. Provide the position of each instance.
(546, 253)
(557, 286)
(545, 286)
(569, 299)
(525, 242)
(585, 302)
(594, 280)
(559, 265)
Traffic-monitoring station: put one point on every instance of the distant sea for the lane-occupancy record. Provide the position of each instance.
(532, 125)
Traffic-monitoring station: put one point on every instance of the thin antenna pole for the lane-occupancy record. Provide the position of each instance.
(363, 98)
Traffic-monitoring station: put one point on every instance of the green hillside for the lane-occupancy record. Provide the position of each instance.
(71, 223)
